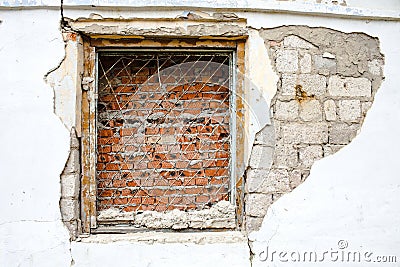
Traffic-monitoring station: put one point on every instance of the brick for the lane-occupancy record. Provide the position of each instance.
(189, 181)
(266, 136)
(365, 106)
(155, 149)
(120, 201)
(148, 200)
(128, 131)
(105, 141)
(73, 164)
(201, 181)
(105, 158)
(105, 133)
(352, 87)
(349, 110)
(193, 190)
(216, 172)
(107, 193)
(202, 199)
(221, 163)
(119, 183)
(104, 149)
(253, 223)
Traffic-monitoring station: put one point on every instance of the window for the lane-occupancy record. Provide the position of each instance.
(160, 135)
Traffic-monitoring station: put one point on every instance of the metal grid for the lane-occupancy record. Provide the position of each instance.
(163, 130)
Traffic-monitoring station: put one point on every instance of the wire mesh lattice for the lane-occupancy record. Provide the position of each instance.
(163, 131)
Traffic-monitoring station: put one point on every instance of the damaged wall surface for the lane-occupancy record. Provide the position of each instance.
(320, 125)
(327, 82)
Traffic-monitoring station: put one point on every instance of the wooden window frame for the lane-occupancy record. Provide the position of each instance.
(89, 96)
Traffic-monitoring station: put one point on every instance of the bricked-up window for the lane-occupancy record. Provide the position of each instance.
(164, 139)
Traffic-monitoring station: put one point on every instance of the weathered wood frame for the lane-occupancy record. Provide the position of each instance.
(89, 96)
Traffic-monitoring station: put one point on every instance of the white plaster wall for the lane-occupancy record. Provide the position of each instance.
(138, 254)
(34, 143)
(352, 195)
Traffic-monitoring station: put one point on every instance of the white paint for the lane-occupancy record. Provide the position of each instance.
(67, 87)
(354, 8)
(136, 254)
(352, 195)
(34, 142)
(260, 87)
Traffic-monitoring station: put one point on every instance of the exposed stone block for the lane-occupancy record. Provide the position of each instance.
(309, 154)
(253, 223)
(311, 110)
(365, 106)
(70, 185)
(287, 60)
(312, 84)
(297, 42)
(349, 110)
(330, 110)
(342, 134)
(310, 133)
(261, 157)
(285, 156)
(286, 110)
(331, 149)
(294, 178)
(305, 63)
(350, 86)
(69, 209)
(72, 165)
(257, 204)
(266, 136)
(265, 181)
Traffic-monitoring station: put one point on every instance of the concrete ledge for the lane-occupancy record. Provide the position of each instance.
(152, 237)
(389, 13)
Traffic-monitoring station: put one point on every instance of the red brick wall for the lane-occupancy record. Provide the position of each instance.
(162, 147)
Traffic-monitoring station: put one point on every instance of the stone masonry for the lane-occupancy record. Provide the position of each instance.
(327, 82)
(70, 188)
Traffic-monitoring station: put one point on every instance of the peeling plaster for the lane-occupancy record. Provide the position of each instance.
(341, 70)
(65, 81)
